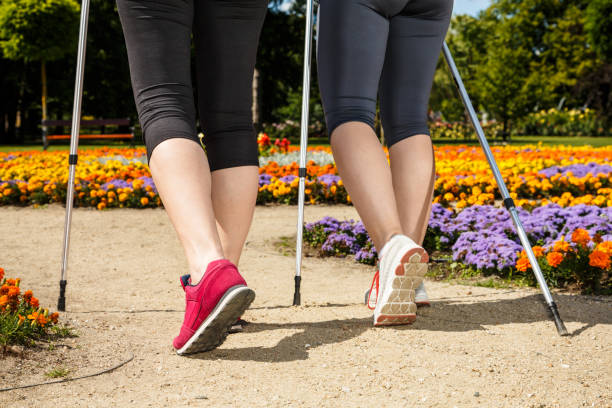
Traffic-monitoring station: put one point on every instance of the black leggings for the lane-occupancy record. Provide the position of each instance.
(226, 33)
(389, 47)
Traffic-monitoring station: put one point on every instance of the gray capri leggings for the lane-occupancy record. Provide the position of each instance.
(386, 47)
(226, 33)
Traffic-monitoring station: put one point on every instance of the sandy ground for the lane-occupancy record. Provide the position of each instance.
(473, 347)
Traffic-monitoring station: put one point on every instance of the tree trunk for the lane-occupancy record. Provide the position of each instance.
(43, 74)
(255, 106)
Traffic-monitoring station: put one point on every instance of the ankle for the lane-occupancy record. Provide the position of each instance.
(197, 272)
(388, 242)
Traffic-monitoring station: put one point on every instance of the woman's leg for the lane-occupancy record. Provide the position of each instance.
(226, 39)
(363, 166)
(158, 38)
(351, 51)
(413, 49)
(413, 172)
(185, 188)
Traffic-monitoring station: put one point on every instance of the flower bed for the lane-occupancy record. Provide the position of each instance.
(573, 244)
(108, 178)
(22, 320)
(565, 122)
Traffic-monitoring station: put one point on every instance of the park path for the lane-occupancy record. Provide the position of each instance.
(473, 347)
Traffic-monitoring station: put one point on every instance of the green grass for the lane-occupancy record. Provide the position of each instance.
(515, 140)
(58, 372)
(62, 147)
(323, 141)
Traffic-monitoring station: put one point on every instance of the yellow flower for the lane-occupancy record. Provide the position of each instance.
(144, 201)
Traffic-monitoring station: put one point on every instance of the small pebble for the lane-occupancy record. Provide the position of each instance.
(307, 345)
(565, 365)
(346, 389)
(477, 394)
(203, 397)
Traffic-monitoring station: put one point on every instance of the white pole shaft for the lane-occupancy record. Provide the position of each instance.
(74, 141)
(303, 147)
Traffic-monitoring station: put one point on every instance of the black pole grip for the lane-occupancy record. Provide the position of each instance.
(296, 294)
(61, 302)
(554, 313)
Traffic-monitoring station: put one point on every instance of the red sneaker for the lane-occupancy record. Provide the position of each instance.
(212, 307)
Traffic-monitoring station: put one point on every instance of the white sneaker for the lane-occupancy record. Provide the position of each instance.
(403, 264)
(420, 297)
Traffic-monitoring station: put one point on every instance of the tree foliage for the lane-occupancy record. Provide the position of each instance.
(38, 30)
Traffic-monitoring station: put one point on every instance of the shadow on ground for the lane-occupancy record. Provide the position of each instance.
(444, 316)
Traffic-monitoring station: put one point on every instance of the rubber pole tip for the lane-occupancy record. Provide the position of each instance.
(296, 295)
(61, 301)
(554, 312)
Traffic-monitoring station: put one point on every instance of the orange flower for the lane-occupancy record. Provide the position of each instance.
(554, 258)
(21, 319)
(53, 317)
(4, 289)
(13, 292)
(523, 264)
(27, 296)
(599, 259)
(11, 282)
(3, 301)
(561, 246)
(34, 303)
(606, 247)
(1, 274)
(581, 236)
(538, 251)
(33, 315)
(144, 201)
(41, 320)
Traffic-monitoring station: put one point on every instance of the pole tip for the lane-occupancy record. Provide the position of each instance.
(554, 312)
(296, 295)
(61, 301)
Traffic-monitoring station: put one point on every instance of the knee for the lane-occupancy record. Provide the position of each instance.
(349, 110)
(165, 112)
(230, 139)
(398, 133)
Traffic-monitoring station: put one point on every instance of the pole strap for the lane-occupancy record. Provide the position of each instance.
(72, 159)
(302, 172)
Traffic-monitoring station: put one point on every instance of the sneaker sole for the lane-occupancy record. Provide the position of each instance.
(213, 331)
(401, 307)
(419, 303)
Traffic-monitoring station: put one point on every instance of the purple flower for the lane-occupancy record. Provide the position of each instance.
(328, 179)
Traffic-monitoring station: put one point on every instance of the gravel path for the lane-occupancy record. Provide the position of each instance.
(473, 347)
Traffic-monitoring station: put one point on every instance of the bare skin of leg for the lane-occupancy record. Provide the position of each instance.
(185, 187)
(413, 173)
(363, 166)
(234, 193)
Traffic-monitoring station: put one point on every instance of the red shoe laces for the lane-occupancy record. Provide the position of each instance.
(375, 281)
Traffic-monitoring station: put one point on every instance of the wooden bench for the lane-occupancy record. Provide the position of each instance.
(124, 130)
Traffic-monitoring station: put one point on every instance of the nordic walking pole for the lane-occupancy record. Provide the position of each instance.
(303, 146)
(508, 202)
(74, 141)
